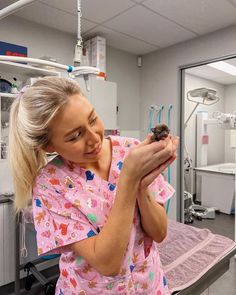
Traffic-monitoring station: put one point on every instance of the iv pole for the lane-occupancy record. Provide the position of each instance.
(75, 70)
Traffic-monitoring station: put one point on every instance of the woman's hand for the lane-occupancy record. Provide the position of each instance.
(148, 159)
(171, 147)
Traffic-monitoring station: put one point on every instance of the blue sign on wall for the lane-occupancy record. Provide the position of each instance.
(12, 49)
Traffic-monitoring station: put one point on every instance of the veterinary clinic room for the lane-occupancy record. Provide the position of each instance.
(89, 90)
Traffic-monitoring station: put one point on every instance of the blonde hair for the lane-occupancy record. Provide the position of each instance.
(29, 133)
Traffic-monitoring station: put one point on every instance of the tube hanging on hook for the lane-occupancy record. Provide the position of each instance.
(159, 114)
(153, 109)
(79, 44)
(169, 168)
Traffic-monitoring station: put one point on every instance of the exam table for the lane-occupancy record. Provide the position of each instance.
(192, 258)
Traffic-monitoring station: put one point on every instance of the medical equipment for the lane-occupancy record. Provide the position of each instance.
(226, 121)
(14, 7)
(169, 168)
(5, 86)
(73, 71)
(153, 110)
(159, 114)
(205, 96)
(154, 118)
(209, 174)
(79, 44)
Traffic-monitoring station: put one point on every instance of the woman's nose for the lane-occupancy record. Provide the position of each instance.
(92, 137)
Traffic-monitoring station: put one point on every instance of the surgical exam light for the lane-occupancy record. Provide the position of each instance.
(204, 96)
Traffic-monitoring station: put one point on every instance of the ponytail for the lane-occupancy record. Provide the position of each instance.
(30, 117)
(24, 162)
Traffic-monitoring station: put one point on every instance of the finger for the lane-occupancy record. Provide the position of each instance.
(175, 144)
(163, 155)
(149, 178)
(147, 140)
(164, 160)
(154, 147)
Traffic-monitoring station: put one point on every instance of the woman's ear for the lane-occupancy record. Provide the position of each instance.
(49, 149)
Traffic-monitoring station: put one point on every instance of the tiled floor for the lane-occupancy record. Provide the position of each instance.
(224, 225)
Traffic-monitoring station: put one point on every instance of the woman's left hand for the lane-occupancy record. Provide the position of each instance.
(172, 144)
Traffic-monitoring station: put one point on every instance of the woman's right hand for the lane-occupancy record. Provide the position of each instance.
(147, 156)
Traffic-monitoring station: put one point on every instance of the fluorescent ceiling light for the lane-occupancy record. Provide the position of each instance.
(224, 67)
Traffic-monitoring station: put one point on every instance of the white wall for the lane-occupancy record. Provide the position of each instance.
(159, 77)
(121, 66)
(122, 69)
(40, 40)
(230, 107)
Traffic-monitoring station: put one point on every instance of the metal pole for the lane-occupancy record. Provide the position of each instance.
(14, 7)
(17, 254)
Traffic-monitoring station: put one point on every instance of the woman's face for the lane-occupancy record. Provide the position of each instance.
(77, 132)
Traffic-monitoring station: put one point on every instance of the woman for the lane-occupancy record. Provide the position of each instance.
(99, 203)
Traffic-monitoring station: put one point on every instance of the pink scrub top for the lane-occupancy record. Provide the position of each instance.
(71, 203)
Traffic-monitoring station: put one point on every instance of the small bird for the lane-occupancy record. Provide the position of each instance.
(160, 131)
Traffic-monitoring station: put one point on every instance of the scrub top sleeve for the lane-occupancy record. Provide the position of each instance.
(57, 229)
(161, 190)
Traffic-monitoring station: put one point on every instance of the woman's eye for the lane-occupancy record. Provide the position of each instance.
(75, 136)
(93, 121)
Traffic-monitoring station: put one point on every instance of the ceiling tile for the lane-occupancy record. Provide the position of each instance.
(102, 10)
(138, 1)
(200, 17)
(123, 42)
(233, 2)
(69, 6)
(51, 17)
(149, 27)
(94, 10)
(206, 72)
(5, 3)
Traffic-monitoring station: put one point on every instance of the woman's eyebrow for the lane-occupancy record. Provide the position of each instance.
(74, 129)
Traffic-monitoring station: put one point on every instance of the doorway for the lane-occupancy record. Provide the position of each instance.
(208, 149)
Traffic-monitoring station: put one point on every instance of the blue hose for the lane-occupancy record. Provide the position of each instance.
(150, 117)
(159, 114)
(169, 170)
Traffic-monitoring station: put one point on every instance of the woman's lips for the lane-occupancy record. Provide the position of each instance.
(95, 151)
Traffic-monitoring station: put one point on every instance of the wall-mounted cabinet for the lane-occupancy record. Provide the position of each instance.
(21, 72)
(103, 96)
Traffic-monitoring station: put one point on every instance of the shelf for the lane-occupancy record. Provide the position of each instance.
(3, 94)
(24, 69)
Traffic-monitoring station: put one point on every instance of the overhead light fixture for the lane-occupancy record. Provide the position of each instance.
(204, 96)
(224, 67)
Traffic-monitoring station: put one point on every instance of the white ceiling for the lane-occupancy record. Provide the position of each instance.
(212, 74)
(136, 26)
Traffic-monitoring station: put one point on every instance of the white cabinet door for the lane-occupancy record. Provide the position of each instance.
(9, 242)
(7, 246)
(103, 96)
(104, 99)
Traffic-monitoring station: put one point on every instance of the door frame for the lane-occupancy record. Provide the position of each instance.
(181, 98)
